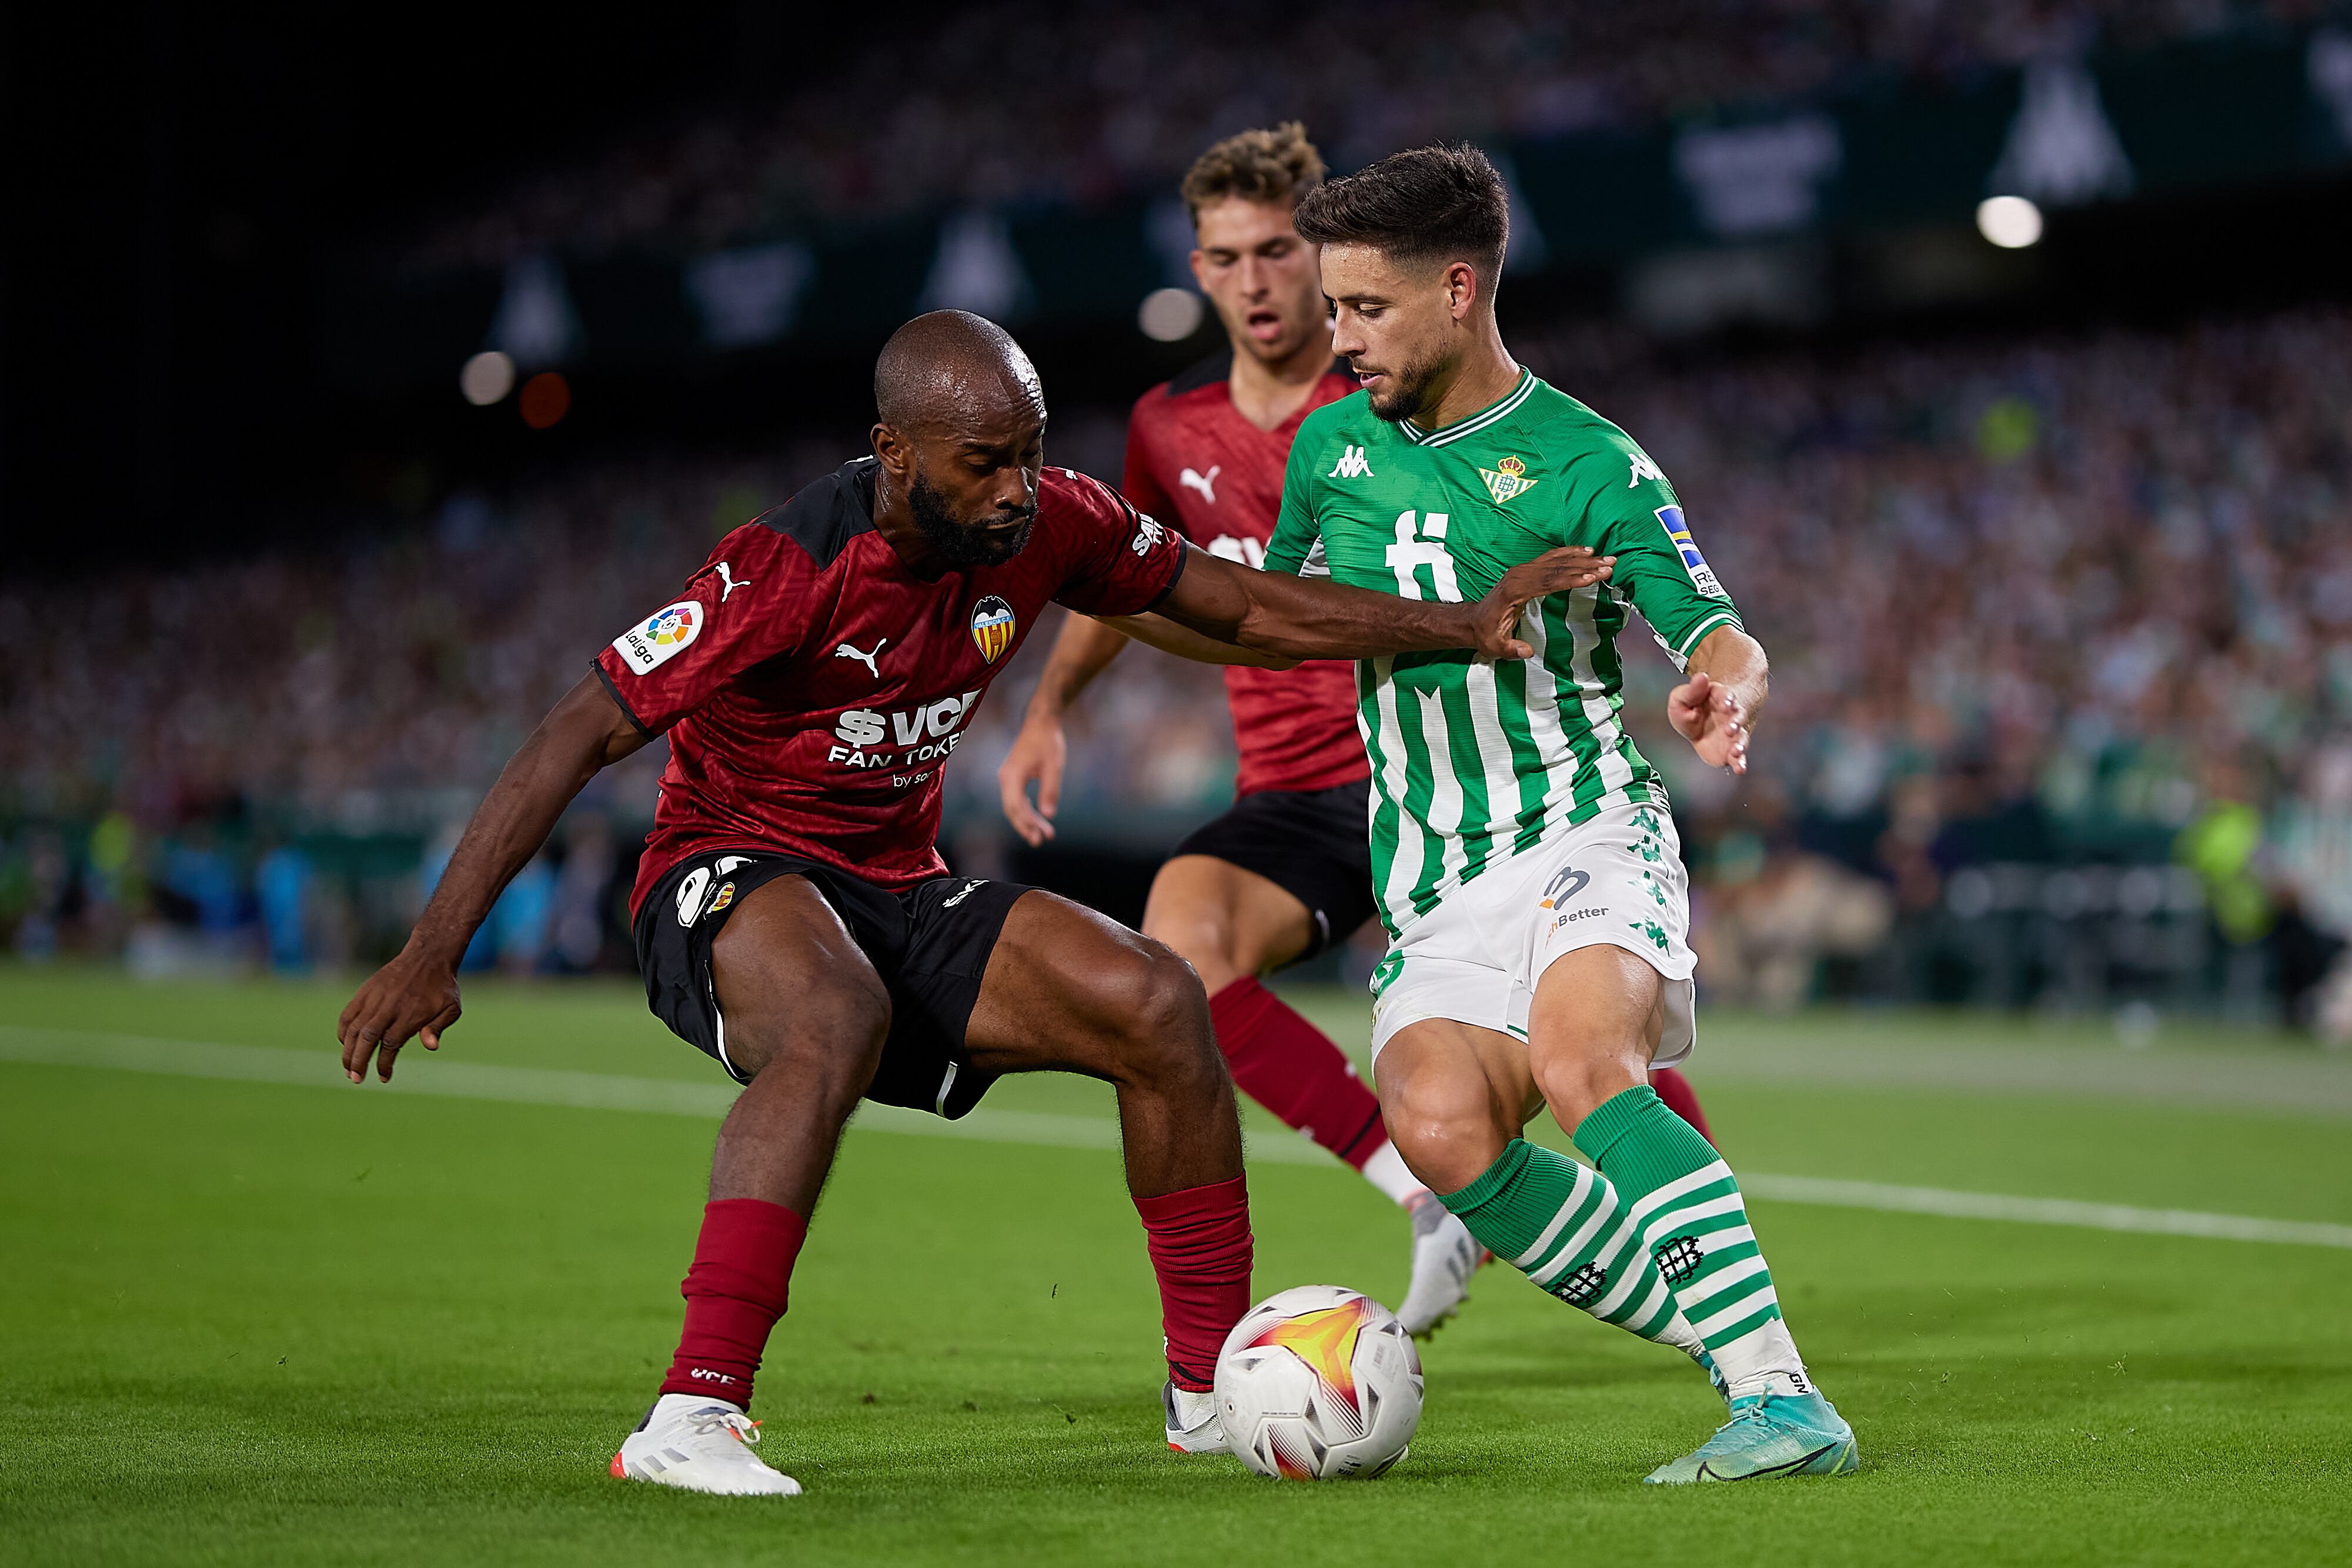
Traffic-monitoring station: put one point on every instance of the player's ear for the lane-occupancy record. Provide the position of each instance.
(1461, 288)
(895, 453)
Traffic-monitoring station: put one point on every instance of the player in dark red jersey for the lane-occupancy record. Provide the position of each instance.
(1287, 871)
(793, 917)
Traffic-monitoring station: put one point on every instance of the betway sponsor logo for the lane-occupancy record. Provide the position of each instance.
(906, 737)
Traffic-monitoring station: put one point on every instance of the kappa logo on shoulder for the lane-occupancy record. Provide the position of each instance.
(1351, 465)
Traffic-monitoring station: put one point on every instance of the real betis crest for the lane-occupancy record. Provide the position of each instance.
(1506, 479)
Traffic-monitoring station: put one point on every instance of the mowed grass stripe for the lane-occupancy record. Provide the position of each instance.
(609, 1091)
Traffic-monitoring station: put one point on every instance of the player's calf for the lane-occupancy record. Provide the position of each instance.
(1455, 1096)
(1069, 990)
(804, 1022)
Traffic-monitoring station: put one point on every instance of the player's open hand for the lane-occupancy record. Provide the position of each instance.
(1711, 716)
(410, 997)
(1554, 571)
(1038, 756)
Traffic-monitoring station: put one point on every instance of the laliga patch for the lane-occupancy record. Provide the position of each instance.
(991, 628)
(1702, 575)
(647, 645)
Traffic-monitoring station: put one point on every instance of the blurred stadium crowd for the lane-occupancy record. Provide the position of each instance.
(2063, 689)
(1083, 103)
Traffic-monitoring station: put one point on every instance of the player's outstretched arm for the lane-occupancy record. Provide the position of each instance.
(416, 993)
(1314, 618)
(1186, 643)
(1715, 707)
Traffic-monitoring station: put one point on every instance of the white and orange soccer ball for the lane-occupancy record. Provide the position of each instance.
(1318, 1383)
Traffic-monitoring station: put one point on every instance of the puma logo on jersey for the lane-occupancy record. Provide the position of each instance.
(1351, 465)
(1204, 483)
(869, 660)
(728, 579)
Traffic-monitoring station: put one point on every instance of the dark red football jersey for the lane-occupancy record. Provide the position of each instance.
(1193, 461)
(813, 687)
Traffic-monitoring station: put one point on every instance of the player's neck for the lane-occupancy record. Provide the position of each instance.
(1485, 375)
(893, 519)
(1269, 394)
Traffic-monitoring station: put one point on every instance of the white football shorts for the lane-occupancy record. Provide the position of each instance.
(1615, 879)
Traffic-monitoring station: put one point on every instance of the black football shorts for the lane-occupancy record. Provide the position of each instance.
(1314, 844)
(930, 945)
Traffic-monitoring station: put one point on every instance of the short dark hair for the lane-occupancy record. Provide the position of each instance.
(1276, 165)
(1424, 204)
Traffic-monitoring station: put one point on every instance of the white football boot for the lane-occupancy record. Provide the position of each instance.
(1193, 1425)
(1444, 1256)
(702, 1445)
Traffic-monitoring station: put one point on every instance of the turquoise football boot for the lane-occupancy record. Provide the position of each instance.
(1769, 1434)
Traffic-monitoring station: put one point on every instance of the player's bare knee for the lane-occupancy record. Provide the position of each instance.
(1444, 1126)
(1165, 1034)
(1203, 941)
(1577, 1077)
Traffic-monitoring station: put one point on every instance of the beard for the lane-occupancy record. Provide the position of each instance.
(960, 543)
(1407, 391)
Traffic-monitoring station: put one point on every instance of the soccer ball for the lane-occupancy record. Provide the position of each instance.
(1318, 1383)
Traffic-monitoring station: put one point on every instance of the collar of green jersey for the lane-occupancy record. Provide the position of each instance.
(1494, 412)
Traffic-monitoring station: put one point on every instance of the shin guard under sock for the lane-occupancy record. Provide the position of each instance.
(1291, 1068)
(1693, 1223)
(734, 1293)
(1562, 1225)
(1201, 1249)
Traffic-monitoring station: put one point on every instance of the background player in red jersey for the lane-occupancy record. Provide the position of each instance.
(1287, 871)
(793, 917)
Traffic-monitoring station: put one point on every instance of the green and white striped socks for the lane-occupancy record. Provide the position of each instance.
(1681, 1197)
(1562, 1225)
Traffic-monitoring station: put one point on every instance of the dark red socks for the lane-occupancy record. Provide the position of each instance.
(1680, 1098)
(1291, 1068)
(1200, 1242)
(734, 1295)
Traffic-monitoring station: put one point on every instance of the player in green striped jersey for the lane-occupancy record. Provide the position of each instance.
(1524, 853)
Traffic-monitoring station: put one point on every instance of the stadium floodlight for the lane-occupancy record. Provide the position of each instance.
(487, 377)
(1169, 315)
(2011, 223)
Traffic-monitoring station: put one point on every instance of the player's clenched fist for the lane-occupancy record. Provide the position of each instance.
(408, 998)
(1554, 571)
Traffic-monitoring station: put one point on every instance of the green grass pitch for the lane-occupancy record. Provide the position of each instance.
(253, 1321)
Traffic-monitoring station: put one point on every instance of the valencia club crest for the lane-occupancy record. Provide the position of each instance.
(991, 628)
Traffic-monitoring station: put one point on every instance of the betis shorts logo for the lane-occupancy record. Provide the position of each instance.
(1702, 575)
(1508, 478)
(991, 628)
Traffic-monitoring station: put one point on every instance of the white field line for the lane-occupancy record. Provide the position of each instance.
(609, 1091)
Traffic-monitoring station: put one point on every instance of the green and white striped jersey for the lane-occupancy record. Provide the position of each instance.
(1474, 761)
